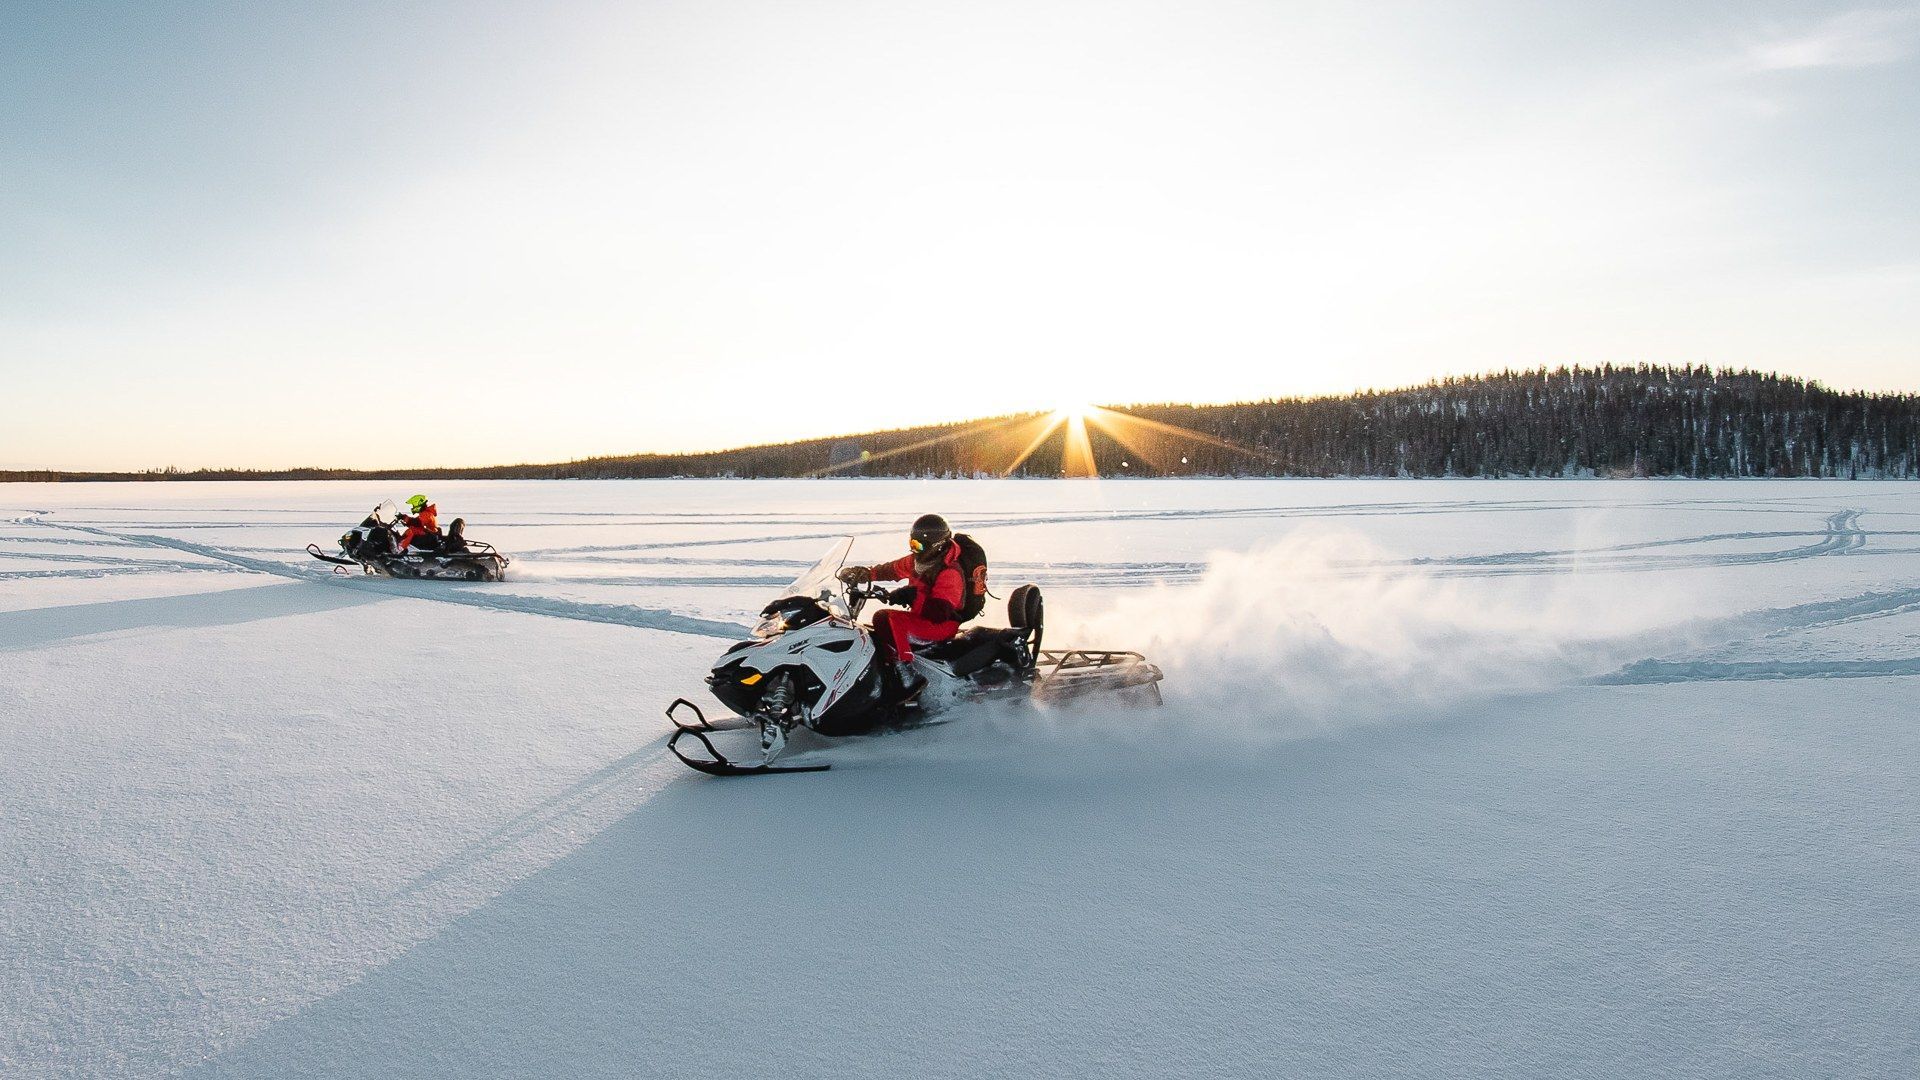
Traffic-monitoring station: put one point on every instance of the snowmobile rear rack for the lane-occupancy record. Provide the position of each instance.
(478, 548)
(1062, 674)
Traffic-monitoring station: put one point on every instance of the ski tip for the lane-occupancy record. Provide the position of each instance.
(699, 721)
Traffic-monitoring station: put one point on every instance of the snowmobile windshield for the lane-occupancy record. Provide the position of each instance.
(822, 581)
(386, 511)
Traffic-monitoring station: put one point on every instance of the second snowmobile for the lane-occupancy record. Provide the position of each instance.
(811, 663)
(374, 546)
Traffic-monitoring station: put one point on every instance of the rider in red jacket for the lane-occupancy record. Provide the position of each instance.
(934, 595)
(425, 521)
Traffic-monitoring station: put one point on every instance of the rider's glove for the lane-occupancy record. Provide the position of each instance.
(903, 596)
(855, 575)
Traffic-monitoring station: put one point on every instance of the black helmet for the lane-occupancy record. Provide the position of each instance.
(930, 535)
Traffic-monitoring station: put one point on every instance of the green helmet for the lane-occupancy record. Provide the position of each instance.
(414, 504)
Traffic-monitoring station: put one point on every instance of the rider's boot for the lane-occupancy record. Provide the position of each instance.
(911, 682)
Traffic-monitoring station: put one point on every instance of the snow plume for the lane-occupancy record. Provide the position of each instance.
(1319, 632)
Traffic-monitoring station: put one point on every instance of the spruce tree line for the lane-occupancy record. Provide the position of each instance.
(1607, 421)
(1567, 421)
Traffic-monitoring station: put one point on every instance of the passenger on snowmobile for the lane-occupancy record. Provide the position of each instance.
(423, 525)
(935, 591)
(375, 545)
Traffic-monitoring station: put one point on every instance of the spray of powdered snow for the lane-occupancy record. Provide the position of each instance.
(1298, 639)
(1294, 640)
(1317, 633)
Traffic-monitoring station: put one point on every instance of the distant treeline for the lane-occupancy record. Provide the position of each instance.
(1604, 421)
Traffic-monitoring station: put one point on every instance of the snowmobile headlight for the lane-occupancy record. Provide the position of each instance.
(773, 625)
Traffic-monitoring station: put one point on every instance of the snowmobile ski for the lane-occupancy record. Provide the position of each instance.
(314, 550)
(720, 765)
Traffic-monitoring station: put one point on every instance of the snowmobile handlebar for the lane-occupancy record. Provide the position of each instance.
(858, 595)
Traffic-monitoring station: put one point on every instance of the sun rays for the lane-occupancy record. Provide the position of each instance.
(1076, 440)
(1154, 444)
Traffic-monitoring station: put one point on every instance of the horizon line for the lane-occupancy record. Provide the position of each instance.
(1438, 380)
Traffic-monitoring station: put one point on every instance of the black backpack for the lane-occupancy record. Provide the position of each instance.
(973, 576)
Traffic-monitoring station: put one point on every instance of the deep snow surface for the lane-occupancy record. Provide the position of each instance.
(1454, 778)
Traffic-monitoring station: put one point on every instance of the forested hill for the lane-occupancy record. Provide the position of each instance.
(1606, 421)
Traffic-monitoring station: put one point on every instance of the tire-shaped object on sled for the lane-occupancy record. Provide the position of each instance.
(1025, 609)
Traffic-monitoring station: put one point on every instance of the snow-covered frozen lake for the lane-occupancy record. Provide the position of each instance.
(1454, 778)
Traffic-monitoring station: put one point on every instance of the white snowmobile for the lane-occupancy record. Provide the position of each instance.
(810, 663)
(374, 546)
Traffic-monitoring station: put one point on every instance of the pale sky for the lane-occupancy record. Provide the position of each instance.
(234, 234)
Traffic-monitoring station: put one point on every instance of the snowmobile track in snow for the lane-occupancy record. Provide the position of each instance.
(469, 595)
(1841, 534)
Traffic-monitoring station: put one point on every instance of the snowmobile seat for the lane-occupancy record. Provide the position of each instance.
(970, 650)
(957, 645)
(964, 658)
